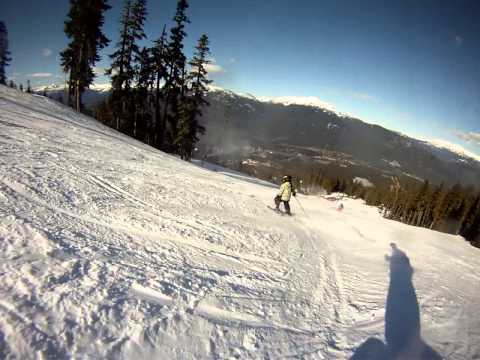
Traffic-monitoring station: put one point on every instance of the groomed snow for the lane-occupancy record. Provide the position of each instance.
(111, 249)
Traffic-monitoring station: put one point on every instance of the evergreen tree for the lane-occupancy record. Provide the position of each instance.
(469, 227)
(29, 88)
(21, 87)
(142, 95)
(159, 58)
(438, 211)
(454, 200)
(420, 204)
(83, 28)
(327, 184)
(175, 80)
(336, 186)
(4, 53)
(191, 108)
(12, 85)
(122, 68)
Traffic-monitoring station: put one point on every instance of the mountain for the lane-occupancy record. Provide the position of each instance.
(112, 249)
(271, 135)
(304, 132)
(92, 96)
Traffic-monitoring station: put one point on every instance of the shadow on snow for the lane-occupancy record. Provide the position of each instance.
(402, 319)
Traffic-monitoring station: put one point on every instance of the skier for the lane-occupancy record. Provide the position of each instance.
(285, 193)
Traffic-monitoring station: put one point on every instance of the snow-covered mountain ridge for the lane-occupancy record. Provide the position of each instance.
(111, 249)
(315, 102)
(454, 148)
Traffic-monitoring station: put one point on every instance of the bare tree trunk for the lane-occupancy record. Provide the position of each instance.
(77, 95)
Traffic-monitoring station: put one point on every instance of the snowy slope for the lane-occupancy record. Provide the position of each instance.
(111, 249)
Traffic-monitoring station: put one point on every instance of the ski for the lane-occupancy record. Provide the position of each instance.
(278, 211)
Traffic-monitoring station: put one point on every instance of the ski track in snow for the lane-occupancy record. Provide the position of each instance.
(111, 249)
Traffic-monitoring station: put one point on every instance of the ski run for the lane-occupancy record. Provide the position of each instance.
(111, 249)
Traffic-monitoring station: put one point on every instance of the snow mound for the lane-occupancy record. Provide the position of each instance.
(112, 249)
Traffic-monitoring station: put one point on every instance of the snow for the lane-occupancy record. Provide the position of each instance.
(455, 148)
(312, 101)
(332, 126)
(364, 182)
(105, 87)
(111, 249)
(98, 87)
(393, 163)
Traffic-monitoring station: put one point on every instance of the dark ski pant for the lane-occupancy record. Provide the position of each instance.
(286, 204)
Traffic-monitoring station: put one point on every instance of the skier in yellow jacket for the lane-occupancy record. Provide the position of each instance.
(285, 193)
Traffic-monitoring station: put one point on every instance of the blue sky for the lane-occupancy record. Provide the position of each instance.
(412, 66)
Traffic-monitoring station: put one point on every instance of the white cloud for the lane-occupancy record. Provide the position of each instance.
(214, 69)
(46, 52)
(40, 75)
(458, 40)
(470, 137)
(232, 60)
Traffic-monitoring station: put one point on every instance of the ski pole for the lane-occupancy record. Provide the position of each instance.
(301, 207)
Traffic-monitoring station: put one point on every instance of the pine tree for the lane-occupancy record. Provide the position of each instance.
(142, 95)
(420, 204)
(4, 53)
(467, 228)
(191, 107)
(12, 85)
(29, 88)
(336, 186)
(175, 80)
(454, 199)
(438, 208)
(159, 57)
(122, 68)
(83, 28)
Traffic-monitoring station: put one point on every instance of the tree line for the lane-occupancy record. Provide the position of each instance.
(454, 209)
(157, 94)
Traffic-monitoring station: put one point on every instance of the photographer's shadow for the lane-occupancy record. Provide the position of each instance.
(402, 319)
